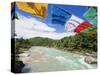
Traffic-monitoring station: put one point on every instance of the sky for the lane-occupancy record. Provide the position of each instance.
(76, 10)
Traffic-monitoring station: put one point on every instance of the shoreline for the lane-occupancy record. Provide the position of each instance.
(35, 57)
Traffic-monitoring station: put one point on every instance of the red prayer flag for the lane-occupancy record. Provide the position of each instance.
(82, 26)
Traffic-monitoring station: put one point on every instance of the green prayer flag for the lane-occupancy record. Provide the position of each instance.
(92, 28)
(91, 15)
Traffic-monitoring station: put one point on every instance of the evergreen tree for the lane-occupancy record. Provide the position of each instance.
(15, 16)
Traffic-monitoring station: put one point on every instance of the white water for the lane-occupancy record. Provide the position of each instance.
(40, 59)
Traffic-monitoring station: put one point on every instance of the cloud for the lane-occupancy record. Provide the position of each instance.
(30, 27)
(31, 23)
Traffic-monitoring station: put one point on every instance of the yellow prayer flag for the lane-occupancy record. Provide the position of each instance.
(37, 9)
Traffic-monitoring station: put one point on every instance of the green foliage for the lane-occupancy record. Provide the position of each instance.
(79, 42)
(15, 16)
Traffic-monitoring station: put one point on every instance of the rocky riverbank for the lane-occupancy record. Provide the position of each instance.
(39, 59)
(18, 66)
(90, 57)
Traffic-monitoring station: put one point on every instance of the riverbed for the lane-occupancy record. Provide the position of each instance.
(43, 59)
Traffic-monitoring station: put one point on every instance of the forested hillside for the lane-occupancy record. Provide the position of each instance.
(79, 42)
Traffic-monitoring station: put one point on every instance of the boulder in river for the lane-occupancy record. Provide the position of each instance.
(90, 60)
(18, 67)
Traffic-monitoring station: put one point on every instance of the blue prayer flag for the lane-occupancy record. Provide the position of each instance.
(60, 16)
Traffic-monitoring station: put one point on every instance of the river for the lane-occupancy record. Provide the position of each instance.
(42, 59)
